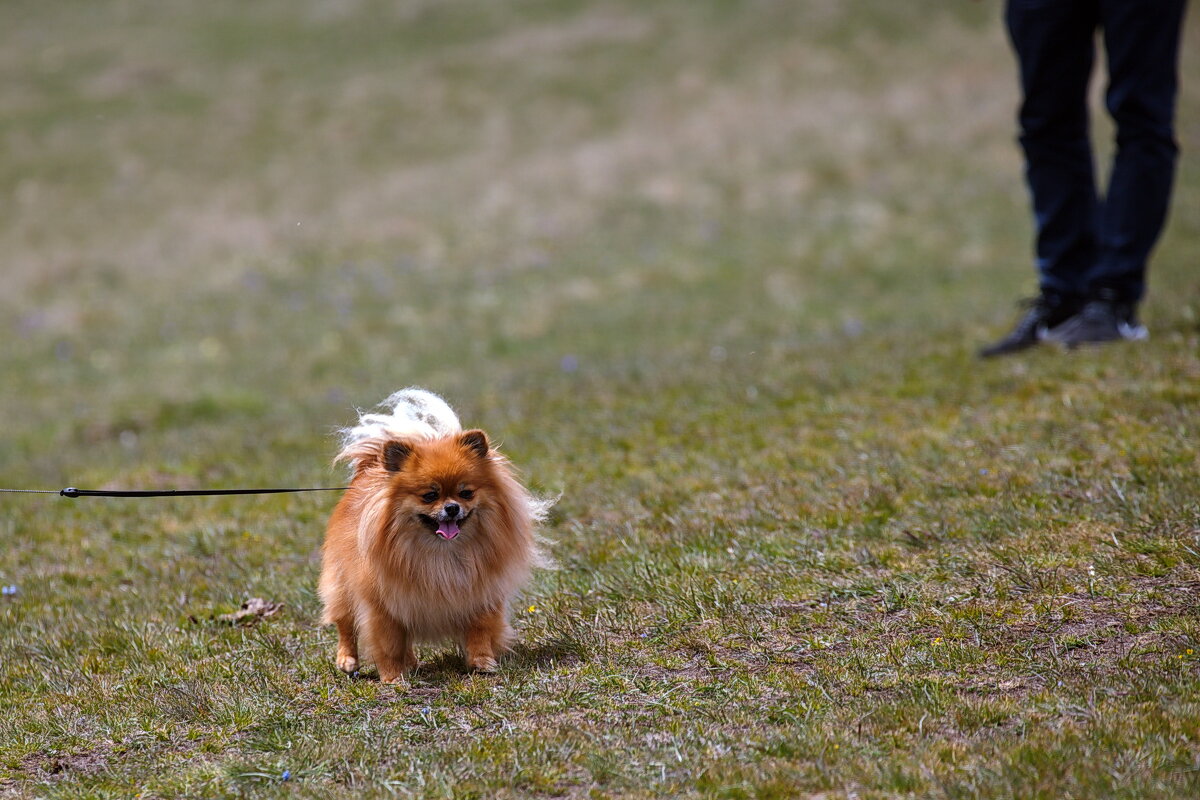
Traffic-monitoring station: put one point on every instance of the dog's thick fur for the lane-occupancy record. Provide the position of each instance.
(432, 540)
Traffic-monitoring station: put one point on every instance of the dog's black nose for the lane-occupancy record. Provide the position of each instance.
(452, 510)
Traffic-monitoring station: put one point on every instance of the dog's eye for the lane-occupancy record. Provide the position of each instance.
(467, 494)
(429, 497)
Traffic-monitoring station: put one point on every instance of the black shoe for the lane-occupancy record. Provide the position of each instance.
(1103, 319)
(1046, 312)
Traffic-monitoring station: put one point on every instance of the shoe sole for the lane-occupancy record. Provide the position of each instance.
(1125, 333)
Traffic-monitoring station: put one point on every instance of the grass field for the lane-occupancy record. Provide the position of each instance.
(714, 271)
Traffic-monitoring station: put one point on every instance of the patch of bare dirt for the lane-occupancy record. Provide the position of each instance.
(48, 767)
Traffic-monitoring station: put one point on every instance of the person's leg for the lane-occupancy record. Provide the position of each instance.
(1142, 43)
(1055, 43)
(1141, 38)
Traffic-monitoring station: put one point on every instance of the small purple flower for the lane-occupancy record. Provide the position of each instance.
(569, 363)
(286, 776)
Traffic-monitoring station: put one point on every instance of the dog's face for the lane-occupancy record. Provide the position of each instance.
(439, 487)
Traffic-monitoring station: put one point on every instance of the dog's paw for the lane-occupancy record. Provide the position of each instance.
(399, 681)
(485, 664)
(347, 664)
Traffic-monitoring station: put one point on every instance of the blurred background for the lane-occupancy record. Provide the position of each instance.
(237, 208)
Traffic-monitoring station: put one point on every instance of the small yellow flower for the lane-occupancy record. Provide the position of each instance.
(1188, 651)
(532, 609)
(938, 640)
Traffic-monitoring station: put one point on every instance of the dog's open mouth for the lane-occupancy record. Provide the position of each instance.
(445, 528)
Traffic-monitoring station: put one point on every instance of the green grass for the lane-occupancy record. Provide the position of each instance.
(715, 272)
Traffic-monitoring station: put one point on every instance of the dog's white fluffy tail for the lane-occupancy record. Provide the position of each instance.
(411, 414)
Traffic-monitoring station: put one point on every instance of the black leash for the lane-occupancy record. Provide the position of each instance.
(72, 492)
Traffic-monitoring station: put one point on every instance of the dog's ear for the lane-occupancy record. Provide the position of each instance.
(395, 453)
(476, 441)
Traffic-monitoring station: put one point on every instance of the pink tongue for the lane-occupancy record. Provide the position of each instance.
(448, 529)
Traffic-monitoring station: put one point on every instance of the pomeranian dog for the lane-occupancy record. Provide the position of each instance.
(432, 539)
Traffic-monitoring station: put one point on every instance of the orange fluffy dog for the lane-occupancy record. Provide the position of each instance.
(432, 540)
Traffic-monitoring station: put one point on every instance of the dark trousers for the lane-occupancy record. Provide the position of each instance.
(1087, 244)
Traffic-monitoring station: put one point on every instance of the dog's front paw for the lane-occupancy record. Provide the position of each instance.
(485, 664)
(399, 681)
(347, 663)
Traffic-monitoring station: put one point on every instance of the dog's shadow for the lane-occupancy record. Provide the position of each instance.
(548, 654)
(521, 658)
